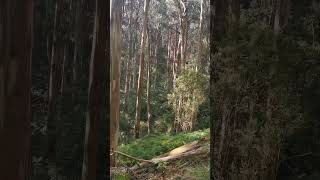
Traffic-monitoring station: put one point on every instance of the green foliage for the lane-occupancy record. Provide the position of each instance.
(122, 176)
(200, 173)
(191, 92)
(164, 123)
(258, 92)
(155, 145)
(203, 115)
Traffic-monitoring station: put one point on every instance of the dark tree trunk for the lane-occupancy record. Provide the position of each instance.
(235, 15)
(63, 70)
(280, 15)
(78, 38)
(218, 30)
(96, 76)
(16, 28)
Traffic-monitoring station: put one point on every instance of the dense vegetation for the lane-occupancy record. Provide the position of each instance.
(262, 77)
(70, 69)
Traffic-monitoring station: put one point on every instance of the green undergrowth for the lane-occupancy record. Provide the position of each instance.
(155, 145)
(199, 172)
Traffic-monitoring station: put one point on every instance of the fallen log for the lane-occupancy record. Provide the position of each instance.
(196, 151)
(184, 148)
(131, 157)
(183, 151)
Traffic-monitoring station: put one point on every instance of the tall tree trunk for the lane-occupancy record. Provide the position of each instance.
(78, 38)
(276, 24)
(158, 45)
(219, 20)
(217, 29)
(200, 64)
(133, 75)
(63, 70)
(128, 73)
(175, 62)
(235, 15)
(182, 49)
(141, 67)
(169, 62)
(182, 5)
(134, 58)
(115, 75)
(149, 115)
(16, 26)
(280, 15)
(54, 87)
(186, 42)
(97, 62)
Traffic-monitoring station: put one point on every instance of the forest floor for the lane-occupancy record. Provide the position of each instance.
(183, 156)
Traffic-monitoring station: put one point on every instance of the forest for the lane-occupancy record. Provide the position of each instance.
(160, 89)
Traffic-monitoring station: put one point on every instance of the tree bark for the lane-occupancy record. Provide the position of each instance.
(63, 70)
(149, 115)
(169, 62)
(155, 57)
(217, 29)
(200, 64)
(235, 15)
(78, 38)
(128, 73)
(134, 60)
(141, 67)
(97, 63)
(280, 15)
(16, 34)
(182, 5)
(115, 75)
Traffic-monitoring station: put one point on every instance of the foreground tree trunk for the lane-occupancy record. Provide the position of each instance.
(98, 58)
(217, 29)
(116, 41)
(15, 88)
(141, 68)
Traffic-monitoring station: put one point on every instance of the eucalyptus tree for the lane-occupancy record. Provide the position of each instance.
(115, 34)
(97, 63)
(16, 39)
(141, 70)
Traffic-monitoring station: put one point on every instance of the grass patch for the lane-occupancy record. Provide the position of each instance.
(199, 173)
(155, 145)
